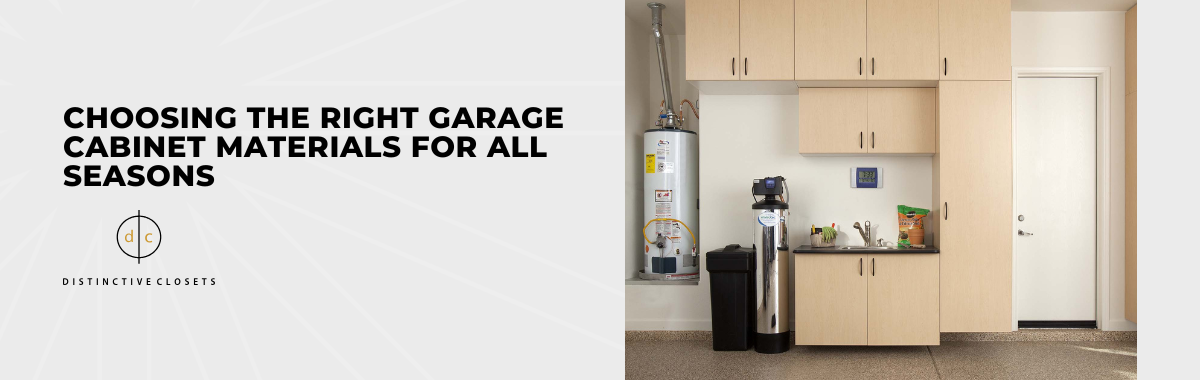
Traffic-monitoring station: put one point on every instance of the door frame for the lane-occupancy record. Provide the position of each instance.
(1103, 180)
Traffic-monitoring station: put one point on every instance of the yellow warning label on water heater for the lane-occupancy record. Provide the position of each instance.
(650, 164)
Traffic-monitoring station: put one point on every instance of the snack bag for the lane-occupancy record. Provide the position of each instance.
(912, 225)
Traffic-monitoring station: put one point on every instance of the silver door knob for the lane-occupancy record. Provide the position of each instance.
(1023, 233)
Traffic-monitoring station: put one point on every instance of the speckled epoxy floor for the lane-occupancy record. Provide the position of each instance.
(695, 360)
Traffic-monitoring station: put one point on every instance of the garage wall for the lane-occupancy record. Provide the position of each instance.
(748, 136)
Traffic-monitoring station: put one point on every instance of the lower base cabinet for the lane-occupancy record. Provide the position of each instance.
(888, 299)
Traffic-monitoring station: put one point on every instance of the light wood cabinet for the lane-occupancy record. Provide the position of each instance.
(902, 300)
(767, 40)
(833, 120)
(866, 299)
(902, 39)
(973, 205)
(712, 29)
(847, 40)
(831, 39)
(866, 120)
(831, 299)
(740, 40)
(976, 39)
(900, 120)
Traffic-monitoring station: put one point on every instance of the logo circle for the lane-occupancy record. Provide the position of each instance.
(139, 236)
(768, 219)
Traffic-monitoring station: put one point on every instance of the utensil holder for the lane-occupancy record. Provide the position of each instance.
(817, 242)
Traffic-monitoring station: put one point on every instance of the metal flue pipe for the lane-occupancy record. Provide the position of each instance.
(672, 120)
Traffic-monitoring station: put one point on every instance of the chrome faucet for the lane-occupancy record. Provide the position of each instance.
(864, 232)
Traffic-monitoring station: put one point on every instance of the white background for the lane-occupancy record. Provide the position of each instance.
(328, 267)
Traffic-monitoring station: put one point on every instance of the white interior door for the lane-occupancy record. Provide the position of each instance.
(1054, 192)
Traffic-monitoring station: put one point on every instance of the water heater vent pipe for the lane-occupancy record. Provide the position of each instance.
(672, 120)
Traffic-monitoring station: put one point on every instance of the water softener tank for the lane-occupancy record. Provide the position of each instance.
(670, 204)
(772, 259)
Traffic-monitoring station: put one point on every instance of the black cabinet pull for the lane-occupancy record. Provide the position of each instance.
(860, 140)
(733, 66)
(860, 266)
(872, 140)
(746, 66)
(945, 66)
(945, 211)
(872, 65)
(860, 73)
(872, 266)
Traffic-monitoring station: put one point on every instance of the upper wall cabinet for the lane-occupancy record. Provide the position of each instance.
(740, 40)
(833, 121)
(767, 32)
(900, 120)
(976, 40)
(866, 39)
(902, 39)
(831, 39)
(866, 120)
(712, 41)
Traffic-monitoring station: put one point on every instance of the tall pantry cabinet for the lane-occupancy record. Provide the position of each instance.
(972, 216)
(972, 167)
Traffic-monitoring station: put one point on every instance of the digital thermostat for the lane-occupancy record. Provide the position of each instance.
(870, 178)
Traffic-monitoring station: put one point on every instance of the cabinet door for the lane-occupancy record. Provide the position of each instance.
(976, 39)
(902, 39)
(831, 299)
(833, 120)
(712, 40)
(831, 39)
(900, 120)
(902, 299)
(768, 35)
(975, 187)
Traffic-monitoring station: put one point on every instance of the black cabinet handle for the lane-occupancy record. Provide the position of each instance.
(860, 68)
(945, 211)
(733, 66)
(860, 266)
(872, 65)
(746, 66)
(872, 266)
(872, 140)
(860, 140)
(945, 66)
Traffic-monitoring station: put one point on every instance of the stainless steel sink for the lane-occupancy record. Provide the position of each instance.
(866, 248)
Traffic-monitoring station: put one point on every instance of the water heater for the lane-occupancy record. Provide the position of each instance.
(671, 206)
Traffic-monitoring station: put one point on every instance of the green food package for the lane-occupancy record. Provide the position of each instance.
(912, 225)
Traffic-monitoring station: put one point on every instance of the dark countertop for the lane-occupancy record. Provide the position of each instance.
(836, 249)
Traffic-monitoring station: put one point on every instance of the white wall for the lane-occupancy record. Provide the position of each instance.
(748, 136)
(1091, 39)
(643, 92)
